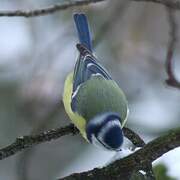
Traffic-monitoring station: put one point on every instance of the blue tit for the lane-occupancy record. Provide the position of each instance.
(92, 99)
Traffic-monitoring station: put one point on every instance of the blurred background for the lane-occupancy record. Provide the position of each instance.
(37, 53)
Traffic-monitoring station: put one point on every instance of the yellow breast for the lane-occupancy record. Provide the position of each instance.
(78, 120)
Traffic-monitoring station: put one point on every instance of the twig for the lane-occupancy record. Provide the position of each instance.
(172, 80)
(174, 4)
(47, 10)
(133, 137)
(25, 142)
(136, 161)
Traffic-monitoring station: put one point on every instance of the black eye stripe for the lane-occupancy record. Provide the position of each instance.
(107, 146)
(103, 144)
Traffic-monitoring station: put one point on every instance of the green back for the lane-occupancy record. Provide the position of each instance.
(99, 95)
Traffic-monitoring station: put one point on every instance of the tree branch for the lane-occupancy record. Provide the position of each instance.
(25, 142)
(174, 4)
(138, 142)
(134, 162)
(133, 137)
(172, 80)
(47, 10)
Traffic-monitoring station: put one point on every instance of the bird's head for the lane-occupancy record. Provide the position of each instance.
(105, 130)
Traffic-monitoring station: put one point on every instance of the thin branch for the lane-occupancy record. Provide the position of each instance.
(172, 80)
(174, 4)
(46, 10)
(133, 137)
(134, 162)
(25, 142)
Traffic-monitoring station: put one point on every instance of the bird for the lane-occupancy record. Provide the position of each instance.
(94, 102)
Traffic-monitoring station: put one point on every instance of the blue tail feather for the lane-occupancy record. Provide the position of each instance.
(83, 30)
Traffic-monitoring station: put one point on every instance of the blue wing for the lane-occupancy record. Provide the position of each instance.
(83, 30)
(86, 67)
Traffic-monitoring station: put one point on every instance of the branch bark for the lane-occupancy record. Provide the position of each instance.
(138, 142)
(174, 4)
(47, 10)
(25, 142)
(172, 80)
(134, 162)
